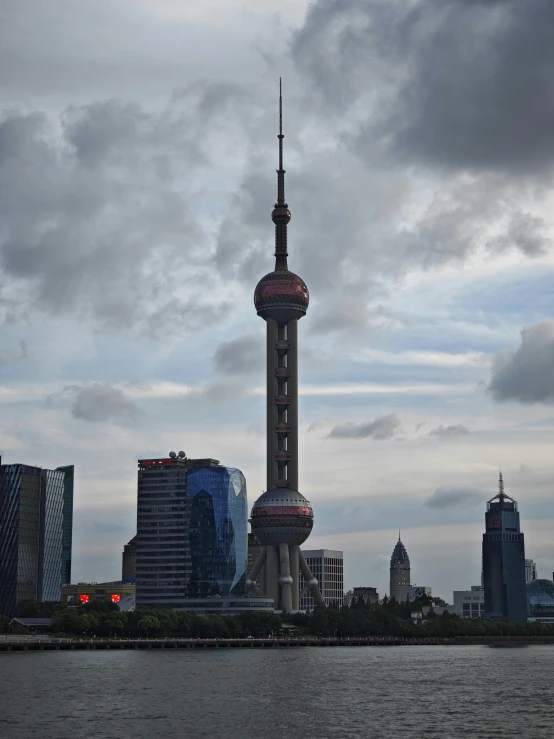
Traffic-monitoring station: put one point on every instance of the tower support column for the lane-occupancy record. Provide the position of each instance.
(294, 571)
(255, 571)
(272, 574)
(272, 334)
(292, 411)
(311, 581)
(285, 580)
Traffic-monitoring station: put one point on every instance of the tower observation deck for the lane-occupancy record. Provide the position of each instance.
(282, 518)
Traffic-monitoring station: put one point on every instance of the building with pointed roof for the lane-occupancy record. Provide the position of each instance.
(399, 570)
(504, 559)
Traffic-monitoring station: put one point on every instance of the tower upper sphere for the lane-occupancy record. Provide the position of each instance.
(281, 295)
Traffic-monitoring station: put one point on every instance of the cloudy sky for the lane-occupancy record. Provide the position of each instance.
(137, 178)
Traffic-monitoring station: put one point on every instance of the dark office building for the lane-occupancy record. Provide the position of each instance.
(504, 560)
(191, 531)
(129, 561)
(31, 535)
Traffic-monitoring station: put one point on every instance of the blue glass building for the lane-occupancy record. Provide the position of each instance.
(217, 531)
(504, 560)
(31, 535)
(192, 539)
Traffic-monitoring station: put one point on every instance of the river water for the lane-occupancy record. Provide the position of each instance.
(347, 692)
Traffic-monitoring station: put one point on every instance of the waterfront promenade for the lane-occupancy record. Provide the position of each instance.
(45, 643)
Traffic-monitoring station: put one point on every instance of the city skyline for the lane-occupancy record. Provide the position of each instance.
(138, 225)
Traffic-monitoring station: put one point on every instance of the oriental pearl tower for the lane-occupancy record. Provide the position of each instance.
(282, 518)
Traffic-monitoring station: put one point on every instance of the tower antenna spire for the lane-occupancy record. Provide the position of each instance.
(500, 485)
(281, 212)
(281, 137)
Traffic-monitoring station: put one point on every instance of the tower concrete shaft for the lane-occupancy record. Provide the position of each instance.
(282, 518)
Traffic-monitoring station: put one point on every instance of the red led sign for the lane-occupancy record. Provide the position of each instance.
(84, 598)
(116, 597)
(155, 462)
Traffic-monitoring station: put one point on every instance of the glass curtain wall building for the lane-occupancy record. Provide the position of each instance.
(67, 537)
(31, 535)
(51, 536)
(191, 531)
(504, 559)
(217, 532)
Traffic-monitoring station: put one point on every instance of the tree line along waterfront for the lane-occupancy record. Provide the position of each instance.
(104, 619)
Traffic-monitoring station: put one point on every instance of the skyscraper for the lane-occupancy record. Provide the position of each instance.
(399, 570)
(191, 531)
(504, 559)
(282, 518)
(32, 520)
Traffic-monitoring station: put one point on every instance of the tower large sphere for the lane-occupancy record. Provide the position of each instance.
(281, 295)
(281, 517)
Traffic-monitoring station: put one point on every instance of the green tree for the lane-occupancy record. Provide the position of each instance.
(149, 625)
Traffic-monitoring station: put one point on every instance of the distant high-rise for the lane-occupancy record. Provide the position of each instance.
(530, 570)
(191, 532)
(504, 559)
(129, 561)
(399, 570)
(368, 595)
(32, 520)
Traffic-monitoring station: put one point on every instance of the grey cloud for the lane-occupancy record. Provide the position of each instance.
(450, 82)
(454, 497)
(382, 427)
(239, 356)
(96, 215)
(98, 402)
(527, 374)
(8, 356)
(526, 233)
(75, 51)
(449, 432)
